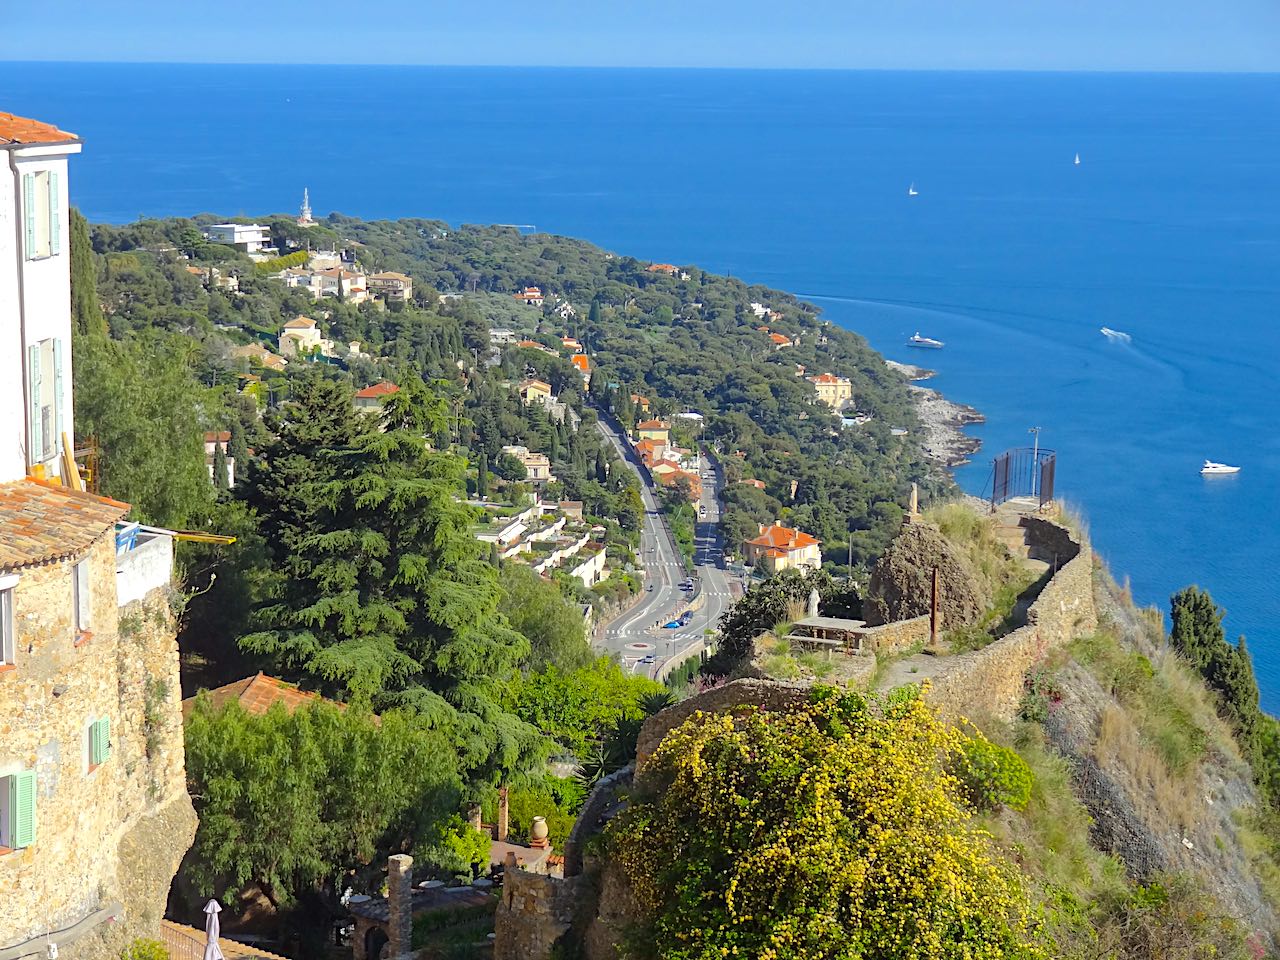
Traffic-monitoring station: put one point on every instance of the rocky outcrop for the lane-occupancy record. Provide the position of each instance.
(901, 584)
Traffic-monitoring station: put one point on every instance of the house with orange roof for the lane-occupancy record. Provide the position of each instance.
(213, 439)
(571, 344)
(91, 746)
(258, 353)
(780, 341)
(780, 548)
(535, 345)
(669, 269)
(534, 390)
(531, 295)
(257, 695)
(371, 399)
(752, 482)
(658, 431)
(583, 364)
(668, 475)
(640, 403)
(834, 391)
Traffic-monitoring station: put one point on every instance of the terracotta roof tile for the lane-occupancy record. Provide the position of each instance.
(41, 522)
(15, 130)
(300, 323)
(783, 538)
(257, 694)
(382, 389)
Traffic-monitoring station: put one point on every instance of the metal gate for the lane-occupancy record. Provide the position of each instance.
(1023, 472)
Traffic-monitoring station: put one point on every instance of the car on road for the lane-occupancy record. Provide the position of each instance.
(649, 587)
(673, 625)
(647, 660)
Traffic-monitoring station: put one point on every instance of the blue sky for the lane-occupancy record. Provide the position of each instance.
(908, 34)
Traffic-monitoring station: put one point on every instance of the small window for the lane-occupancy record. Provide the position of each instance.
(7, 641)
(18, 810)
(99, 742)
(83, 595)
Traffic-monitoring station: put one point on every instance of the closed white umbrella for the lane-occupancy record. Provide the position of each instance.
(211, 949)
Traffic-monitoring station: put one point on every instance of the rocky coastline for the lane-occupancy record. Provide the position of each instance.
(942, 420)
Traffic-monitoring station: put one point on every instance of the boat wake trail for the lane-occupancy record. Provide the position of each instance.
(1116, 336)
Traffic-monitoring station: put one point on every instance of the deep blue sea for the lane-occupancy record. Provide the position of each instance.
(1168, 230)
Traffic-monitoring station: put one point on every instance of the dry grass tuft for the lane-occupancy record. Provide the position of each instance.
(1121, 746)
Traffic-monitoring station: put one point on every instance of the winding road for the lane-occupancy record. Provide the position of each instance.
(637, 635)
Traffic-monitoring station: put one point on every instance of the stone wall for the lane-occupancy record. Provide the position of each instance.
(897, 636)
(991, 680)
(106, 835)
(534, 913)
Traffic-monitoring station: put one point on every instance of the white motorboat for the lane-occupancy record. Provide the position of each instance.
(1117, 335)
(1212, 469)
(926, 342)
(912, 191)
(1077, 159)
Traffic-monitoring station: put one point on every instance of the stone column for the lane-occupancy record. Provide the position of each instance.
(504, 815)
(400, 905)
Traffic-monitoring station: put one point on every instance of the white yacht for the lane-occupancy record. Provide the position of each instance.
(912, 191)
(1216, 469)
(1077, 159)
(926, 342)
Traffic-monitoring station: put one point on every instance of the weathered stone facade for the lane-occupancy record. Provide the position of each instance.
(534, 913)
(108, 839)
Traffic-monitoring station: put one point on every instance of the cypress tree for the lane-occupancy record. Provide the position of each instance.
(482, 476)
(86, 311)
(237, 449)
(220, 469)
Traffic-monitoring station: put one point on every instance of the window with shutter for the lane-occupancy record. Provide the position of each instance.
(55, 224)
(57, 398)
(35, 439)
(8, 643)
(99, 742)
(29, 211)
(82, 595)
(18, 809)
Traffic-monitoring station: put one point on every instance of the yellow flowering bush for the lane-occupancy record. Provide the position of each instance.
(833, 830)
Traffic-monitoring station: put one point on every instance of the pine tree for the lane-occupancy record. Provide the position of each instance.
(482, 476)
(388, 597)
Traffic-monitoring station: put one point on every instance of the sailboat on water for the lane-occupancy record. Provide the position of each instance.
(1077, 159)
(912, 191)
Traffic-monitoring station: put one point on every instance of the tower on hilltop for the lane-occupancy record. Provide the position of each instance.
(304, 213)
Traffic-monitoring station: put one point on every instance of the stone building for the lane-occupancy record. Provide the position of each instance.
(94, 814)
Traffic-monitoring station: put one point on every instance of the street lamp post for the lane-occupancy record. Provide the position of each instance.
(1035, 463)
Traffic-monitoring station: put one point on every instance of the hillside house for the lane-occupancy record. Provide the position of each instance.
(535, 345)
(536, 465)
(581, 361)
(212, 441)
(779, 341)
(779, 548)
(530, 295)
(94, 812)
(571, 344)
(640, 403)
(258, 694)
(659, 431)
(345, 285)
(371, 399)
(391, 287)
(301, 335)
(249, 237)
(535, 391)
(670, 269)
(834, 391)
(259, 354)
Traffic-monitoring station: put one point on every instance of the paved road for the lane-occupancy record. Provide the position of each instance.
(633, 635)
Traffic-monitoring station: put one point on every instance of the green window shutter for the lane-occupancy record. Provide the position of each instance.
(22, 807)
(100, 741)
(57, 392)
(55, 220)
(29, 211)
(35, 449)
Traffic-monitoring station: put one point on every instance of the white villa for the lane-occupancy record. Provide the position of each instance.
(249, 237)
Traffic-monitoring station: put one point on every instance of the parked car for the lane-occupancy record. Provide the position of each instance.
(673, 625)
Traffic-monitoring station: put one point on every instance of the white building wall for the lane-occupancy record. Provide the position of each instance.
(35, 301)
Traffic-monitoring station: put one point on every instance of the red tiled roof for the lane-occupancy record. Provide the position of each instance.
(662, 268)
(783, 539)
(580, 361)
(217, 436)
(827, 378)
(258, 694)
(41, 522)
(779, 338)
(382, 389)
(300, 323)
(15, 130)
(652, 425)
